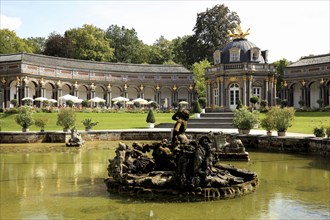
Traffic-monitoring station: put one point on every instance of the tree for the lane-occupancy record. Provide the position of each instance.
(66, 118)
(11, 43)
(24, 117)
(150, 117)
(165, 48)
(280, 65)
(199, 72)
(211, 28)
(37, 44)
(89, 43)
(126, 44)
(57, 45)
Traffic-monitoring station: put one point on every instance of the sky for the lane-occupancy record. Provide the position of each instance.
(288, 29)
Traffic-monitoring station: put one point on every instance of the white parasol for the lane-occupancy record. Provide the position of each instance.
(78, 101)
(68, 97)
(52, 100)
(96, 99)
(27, 98)
(141, 101)
(120, 99)
(41, 99)
(183, 103)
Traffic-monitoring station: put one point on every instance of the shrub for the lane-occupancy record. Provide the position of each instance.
(84, 103)
(202, 102)
(282, 117)
(89, 123)
(254, 100)
(319, 131)
(284, 103)
(14, 102)
(245, 119)
(24, 117)
(268, 123)
(263, 103)
(239, 104)
(175, 104)
(196, 107)
(327, 131)
(66, 118)
(154, 105)
(69, 103)
(301, 103)
(41, 123)
(150, 117)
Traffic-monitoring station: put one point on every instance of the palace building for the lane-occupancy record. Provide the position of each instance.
(307, 82)
(31, 75)
(240, 71)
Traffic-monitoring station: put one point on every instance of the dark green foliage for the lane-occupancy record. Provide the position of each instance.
(202, 101)
(150, 117)
(239, 104)
(84, 103)
(14, 102)
(196, 107)
(24, 117)
(89, 123)
(175, 104)
(66, 118)
(254, 100)
(69, 103)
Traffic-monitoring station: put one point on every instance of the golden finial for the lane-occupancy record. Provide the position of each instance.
(238, 33)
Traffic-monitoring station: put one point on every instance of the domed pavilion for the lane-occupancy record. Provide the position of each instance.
(240, 71)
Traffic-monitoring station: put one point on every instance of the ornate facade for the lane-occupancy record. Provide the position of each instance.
(30, 75)
(240, 71)
(307, 82)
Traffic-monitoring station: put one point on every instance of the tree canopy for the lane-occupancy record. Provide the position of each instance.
(199, 72)
(11, 43)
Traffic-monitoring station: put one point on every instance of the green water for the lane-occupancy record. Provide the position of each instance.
(49, 181)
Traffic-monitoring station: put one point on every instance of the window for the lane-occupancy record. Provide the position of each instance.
(234, 54)
(216, 96)
(255, 53)
(257, 92)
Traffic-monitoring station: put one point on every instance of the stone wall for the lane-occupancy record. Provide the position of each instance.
(287, 144)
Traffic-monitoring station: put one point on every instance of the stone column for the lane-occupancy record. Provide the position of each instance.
(249, 92)
(18, 86)
(92, 92)
(158, 95)
(208, 93)
(174, 94)
(3, 89)
(59, 93)
(222, 92)
(267, 90)
(244, 90)
(141, 91)
(109, 96)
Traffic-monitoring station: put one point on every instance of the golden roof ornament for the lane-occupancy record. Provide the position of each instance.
(238, 33)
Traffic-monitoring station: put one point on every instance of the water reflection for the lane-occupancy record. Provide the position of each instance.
(64, 184)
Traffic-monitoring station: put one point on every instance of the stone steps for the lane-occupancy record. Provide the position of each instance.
(207, 120)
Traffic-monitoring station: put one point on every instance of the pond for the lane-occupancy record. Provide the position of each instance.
(50, 181)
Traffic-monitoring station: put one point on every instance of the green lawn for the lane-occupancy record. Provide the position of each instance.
(107, 121)
(304, 122)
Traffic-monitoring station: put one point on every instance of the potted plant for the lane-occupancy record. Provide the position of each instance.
(268, 124)
(283, 118)
(245, 120)
(89, 123)
(327, 131)
(202, 102)
(254, 100)
(66, 118)
(14, 102)
(41, 123)
(239, 104)
(24, 118)
(197, 109)
(151, 119)
(301, 103)
(319, 131)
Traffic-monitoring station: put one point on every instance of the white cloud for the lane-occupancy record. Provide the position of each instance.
(11, 23)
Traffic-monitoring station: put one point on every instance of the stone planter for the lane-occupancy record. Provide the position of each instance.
(151, 125)
(281, 133)
(197, 115)
(241, 131)
(25, 130)
(269, 133)
(65, 129)
(203, 110)
(87, 129)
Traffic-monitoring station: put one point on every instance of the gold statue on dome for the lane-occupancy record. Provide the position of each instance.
(238, 33)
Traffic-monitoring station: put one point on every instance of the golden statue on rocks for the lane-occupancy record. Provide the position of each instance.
(238, 33)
